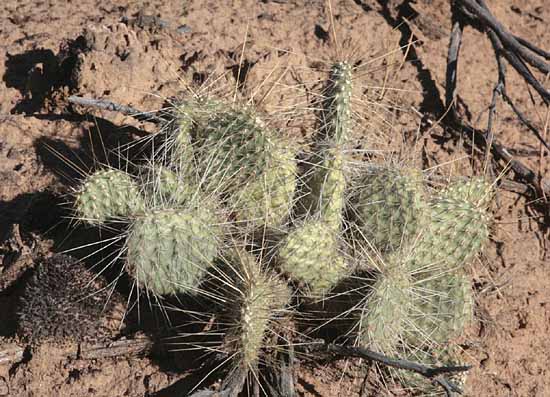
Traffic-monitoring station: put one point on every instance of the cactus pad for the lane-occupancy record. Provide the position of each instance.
(390, 208)
(456, 232)
(385, 314)
(326, 188)
(309, 254)
(260, 296)
(442, 309)
(108, 194)
(336, 114)
(170, 250)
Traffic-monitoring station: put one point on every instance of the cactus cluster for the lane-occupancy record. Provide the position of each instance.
(221, 172)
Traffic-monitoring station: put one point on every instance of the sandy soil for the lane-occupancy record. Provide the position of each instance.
(104, 49)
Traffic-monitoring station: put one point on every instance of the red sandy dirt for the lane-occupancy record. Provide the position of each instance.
(102, 49)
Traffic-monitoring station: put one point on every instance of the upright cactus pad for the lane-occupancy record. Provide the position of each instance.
(326, 189)
(108, 194)
(267, 199)
(170, 250)
(164, 186)
(384, 318)
(259, 296)
(457, 229)
(336, 113)
(324, 180)
(442, 309)
(309, 254)
(239, 157)
(390, 208)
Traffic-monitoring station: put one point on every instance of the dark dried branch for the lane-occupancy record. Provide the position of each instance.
(124, 347)
(500, 39)
(452, 66)
(509, 41)
(434, 374)
(115, 107)
(532, 47)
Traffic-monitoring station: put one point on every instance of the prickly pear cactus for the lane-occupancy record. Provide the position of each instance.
(237, 156)
(325, 180)
(390, 208)
(261, 296)
(457, 229)
(385, 313)
(443, 355)
(170, 250)
(336, 112)
(309, 254)
(477, 191)
(166, 187)
(108, 194)
(443, 308)
(326, 189)
(268, 199)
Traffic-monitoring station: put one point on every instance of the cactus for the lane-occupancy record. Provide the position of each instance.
(336, 112)
(325, 180)
(239, 157)
(170, 250)
(326, 189)
(442, 309)
(384, 315)
(108, 194)
(259, 296)
(390, 208)
(457, 228)
(163, 186)
(309, 254)
(443, 355)
(64, 300)
(476, 191)
(267, 199)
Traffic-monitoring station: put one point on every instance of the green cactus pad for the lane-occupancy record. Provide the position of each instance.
(442, 309)
(326, 189)
(336, 114)
(170, 250)
(385, 314)
(164, 186)
(260, 296)
(239, 157)
(309, 254)
(108, 194)
(457, 230)
(390, 208)
(476, 191)
(268, 198)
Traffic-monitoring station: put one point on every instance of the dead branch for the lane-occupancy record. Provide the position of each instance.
(512, 49)
(115, 107)
(434, 374)
(124, 347)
